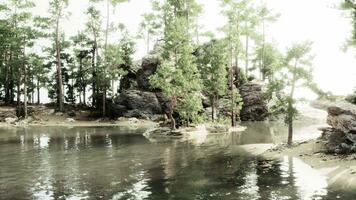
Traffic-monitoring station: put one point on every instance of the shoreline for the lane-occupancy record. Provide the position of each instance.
(89, 124)
(340, 170)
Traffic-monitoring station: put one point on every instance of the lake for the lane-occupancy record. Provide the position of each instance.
(119, 163)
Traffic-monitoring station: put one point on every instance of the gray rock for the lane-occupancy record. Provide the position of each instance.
(58, 114)
(149, 66)
(341, 137)
(70, 120)
(142, 101)
(7, 114)
(51, 111)
(133, 120)
(342, 117)
(11, 120)
(216, 128)
(254, 107)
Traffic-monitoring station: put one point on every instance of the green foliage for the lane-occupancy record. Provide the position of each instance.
(178, 76)
(212, 62)
(150, 28)
(269, 60)
(296, 72)
(189, 107)
(350, 6)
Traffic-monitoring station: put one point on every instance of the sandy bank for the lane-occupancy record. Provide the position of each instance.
(339, 170)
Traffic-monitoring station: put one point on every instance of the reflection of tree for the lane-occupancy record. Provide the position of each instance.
(276, 179)
(157, 183)
(256, 133)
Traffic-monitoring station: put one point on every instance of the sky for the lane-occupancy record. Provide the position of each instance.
(319, 21)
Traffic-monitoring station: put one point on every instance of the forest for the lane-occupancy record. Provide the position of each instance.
(231, 80)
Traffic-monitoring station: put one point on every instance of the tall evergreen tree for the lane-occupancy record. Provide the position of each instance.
(93, 27)
(295, 72)
(178, 76)
(213, 62)
(149, 29)
(57, 11)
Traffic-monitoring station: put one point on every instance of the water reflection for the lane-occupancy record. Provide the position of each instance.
(114, 163)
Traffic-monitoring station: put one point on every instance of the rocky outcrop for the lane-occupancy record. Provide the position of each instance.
(341, 136)
(254, 107)
(138, 98)
(149, 67)
(129, 80)
(138, 75)
(142, 101)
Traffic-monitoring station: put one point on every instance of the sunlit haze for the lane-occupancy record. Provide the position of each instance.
(319, 21)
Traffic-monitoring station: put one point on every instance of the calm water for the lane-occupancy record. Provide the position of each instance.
(114, 163)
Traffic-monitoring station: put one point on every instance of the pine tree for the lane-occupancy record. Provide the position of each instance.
(295, 72)
(93, 27)
(213, 62)
(82, 51)
(178, 76)
(149, 28)
(57, 10)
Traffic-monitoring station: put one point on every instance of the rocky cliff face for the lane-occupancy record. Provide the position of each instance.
(341, 136)
(137, 98)
(254, 107)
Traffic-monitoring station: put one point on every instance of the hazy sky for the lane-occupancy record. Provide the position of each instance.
(316, 20)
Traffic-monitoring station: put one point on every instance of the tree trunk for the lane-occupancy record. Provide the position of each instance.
(173, 121)
(231, 81)
(38, 92)
(25, 83)
(12, 83)
(94, 78)
(18, 95)
(148, 41)
(84, 95)
(7, 90)
(104, 101)
(171, 110)
(32, 92)
(213, 109)
(263, 50)
(81, 78)
(290, 106)
(233, 118)
(247, 56)
(290, 131)
(25, 92)
(113, 91)
(106, 46)
(59, 66)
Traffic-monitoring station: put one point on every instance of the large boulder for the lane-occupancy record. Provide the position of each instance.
(254, 107)
(341, 137)
(342, 117)
(138, 75)
(129, 80)
(142, 101)
(164, 101)
(149, 66)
